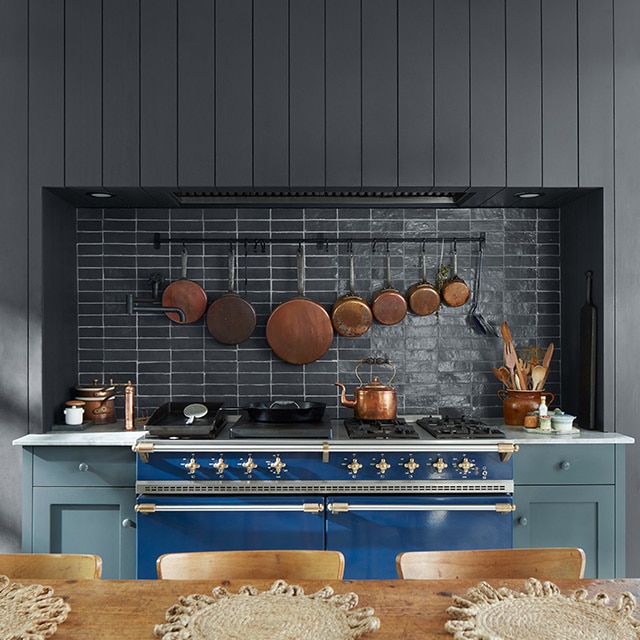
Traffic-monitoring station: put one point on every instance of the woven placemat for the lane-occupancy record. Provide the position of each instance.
(541, 612)
(282, 613)
(30, 612)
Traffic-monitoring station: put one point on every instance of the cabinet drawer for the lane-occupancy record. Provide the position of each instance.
(564, 464)
(83, 467)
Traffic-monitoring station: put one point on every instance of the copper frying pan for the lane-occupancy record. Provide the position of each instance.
(455, 291)
(186, 295)
(351, 315)
(231, 319)
(423, 297)
(299, 331)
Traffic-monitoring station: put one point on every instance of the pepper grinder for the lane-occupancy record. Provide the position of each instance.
(129, 394)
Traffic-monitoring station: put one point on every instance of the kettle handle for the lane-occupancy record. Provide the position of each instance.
(376, 361)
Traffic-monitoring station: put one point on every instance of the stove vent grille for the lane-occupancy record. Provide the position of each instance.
(322, 198)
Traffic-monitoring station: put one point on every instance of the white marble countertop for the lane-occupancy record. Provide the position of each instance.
(115, 435)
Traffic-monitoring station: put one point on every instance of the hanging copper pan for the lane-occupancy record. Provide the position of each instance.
(455, 291)
(186, 295)
(351, 315)
(388, 305)
(231, 319)
(423, 297)
(299, 331)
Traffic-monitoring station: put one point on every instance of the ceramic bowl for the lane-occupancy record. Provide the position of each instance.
(562, 422)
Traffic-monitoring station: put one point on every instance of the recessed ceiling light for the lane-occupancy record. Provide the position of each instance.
(100, 194)
(528, 194)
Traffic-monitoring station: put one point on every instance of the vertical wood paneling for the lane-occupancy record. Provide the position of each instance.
(158, 93)
(524, 93)
(196, 25)
(451, 62)
(415, 93)
(488, 87)
(627, 258)
(379, 94)
(46, 167)
(121, 93)
(307, 94)
(343, 94)
(559, 93)
(83, 92)
(234, 93)
(271, 94)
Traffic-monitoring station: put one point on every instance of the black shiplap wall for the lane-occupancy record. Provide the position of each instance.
(441, 361)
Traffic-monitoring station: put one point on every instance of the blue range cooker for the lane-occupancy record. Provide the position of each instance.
(397, 487)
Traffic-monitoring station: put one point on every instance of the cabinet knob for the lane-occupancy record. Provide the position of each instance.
(523, 521)
(565, 466)
(128, 523)
(83, 466)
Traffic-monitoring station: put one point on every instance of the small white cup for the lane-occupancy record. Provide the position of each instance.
(73, 415)
(562, 423)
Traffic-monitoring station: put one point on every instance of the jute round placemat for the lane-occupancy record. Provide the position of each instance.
(282, 613)
(540, 613)
(30, 612)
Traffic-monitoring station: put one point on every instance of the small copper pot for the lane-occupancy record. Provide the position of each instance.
(99, 410)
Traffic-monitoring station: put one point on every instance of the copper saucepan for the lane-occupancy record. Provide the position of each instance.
(455, 291)
(388, 305)
(351, 315)
(423, 297)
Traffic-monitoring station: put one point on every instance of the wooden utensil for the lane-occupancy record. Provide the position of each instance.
(520, 381)
(538, 375)
(546, 361)
(503, 375)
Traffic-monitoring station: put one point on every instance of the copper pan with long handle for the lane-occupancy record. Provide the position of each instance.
(231, 319)
(423, 297)
(185, 294)
(299, 331)
(351, 315)
(455, 291)
(388, 305)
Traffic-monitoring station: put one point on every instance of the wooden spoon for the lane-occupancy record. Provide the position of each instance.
(546, 361)
(538, 376)
(503, 375)
(520, 381)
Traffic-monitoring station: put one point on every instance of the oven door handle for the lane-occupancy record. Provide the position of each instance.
(344, 507)
(307, 507)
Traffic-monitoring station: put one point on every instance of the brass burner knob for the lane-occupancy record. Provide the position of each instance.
(220, 466)
(412, 465)
(278, 465)
(354, 466)
(191, 466)
(249, 465)
(383, 466)
(465, 465)
(440, 465)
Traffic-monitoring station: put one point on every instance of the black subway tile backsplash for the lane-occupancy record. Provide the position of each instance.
(441, 362)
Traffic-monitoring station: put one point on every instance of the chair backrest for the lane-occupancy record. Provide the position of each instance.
(222, 565)
(54, 566)
(481, 564)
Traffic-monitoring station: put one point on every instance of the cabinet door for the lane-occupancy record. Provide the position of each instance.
(87, 520)
(569, 516)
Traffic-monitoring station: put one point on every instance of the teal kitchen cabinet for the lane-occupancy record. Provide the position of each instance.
(572, 495)
(81, 500)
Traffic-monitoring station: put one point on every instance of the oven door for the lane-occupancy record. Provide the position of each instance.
(371, 531)
(171, 524)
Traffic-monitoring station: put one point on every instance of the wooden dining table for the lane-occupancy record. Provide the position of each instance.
(407, 609)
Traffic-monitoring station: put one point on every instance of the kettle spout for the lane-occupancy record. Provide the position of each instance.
(343, 398)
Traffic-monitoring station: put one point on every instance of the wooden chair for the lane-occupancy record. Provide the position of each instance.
(247, 565)
(59, 566)
(481, 564)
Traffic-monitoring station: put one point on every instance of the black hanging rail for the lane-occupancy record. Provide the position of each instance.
(320, 242)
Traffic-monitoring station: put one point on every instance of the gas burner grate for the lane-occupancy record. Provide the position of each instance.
(380, 429)
(458, 428)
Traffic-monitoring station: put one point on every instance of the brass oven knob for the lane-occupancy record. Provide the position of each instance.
(412, 465)
(249, 465)
(440, 465)
(354, 466)
(383, 466)
(191, 466)
(278, 465)
(220, 466)
(465, 465)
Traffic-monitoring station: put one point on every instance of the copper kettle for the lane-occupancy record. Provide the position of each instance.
(372, 401)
